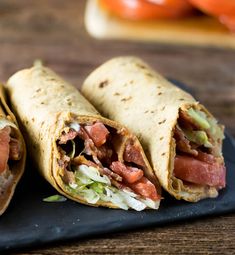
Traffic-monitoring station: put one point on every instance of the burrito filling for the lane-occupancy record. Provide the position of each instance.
(91, 167)
(10, 153)
(198, 150)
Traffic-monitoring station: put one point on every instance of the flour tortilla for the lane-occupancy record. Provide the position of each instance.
(17, 168)
(127, 90)
(44, 104)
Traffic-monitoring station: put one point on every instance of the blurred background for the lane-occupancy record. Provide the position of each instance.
(55, 31)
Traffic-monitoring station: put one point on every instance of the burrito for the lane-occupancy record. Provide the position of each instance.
(12, 153)
(181, 138)
(85, 157)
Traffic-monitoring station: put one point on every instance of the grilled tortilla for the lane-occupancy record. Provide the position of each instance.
(86, 157)
(12, 153)
(181, 138)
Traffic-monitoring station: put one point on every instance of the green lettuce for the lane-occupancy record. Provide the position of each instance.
(93, 188)
(198, 137)
(199, 117)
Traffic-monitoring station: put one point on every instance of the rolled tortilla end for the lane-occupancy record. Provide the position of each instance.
(12, 153)
(84, 156)
(181, 138)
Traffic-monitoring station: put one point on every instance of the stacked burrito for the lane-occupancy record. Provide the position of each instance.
(181, 138)
(99, 160)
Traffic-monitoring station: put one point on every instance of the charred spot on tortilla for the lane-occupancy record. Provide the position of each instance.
(161, 122)
(149, 74)
(103, 84)
(126, 99)
(140, 66)
(159, 93)
(38, 90)
(116, 94)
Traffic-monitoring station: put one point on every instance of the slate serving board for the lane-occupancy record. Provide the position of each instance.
(29, 221)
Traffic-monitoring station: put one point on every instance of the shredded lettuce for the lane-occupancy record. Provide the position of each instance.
(93, 174)
(72, 153)
(55, 198)
(213, 130)
(199, 117)
(94, 187)
(132, 202)
(75, 126)
(198, 137)
(97, 187)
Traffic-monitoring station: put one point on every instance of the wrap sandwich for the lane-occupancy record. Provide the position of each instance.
(181, 138)
(12, 153)
(87, 158)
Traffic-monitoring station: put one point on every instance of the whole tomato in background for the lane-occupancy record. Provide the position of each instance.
(223, 9)
(148, 9)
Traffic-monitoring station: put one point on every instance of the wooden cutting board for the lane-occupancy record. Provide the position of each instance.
(198, 31)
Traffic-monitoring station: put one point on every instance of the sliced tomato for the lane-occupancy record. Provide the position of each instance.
(216, 7)
(229, 21)
(98, 133)
(145, 188)
(195, 171)
(129, 174)
(223, 9)
(147, 9)
(205, 157)
(4, 147)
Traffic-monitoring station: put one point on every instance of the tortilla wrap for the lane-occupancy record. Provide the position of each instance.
(149, 105)
(10, 176)
(52, 113)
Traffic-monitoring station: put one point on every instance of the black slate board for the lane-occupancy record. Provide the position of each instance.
(31, 222)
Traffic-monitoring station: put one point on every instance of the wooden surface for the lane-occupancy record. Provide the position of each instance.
(54, 32)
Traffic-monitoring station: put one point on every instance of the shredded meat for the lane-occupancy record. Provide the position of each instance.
(65, 137)
(64, 160)
(182, 143)
(132, 154)
(15, 149)
(186, 121)
(68, 177)
(113, 175)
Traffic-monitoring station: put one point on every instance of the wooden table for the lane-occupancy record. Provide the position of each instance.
(54, 32)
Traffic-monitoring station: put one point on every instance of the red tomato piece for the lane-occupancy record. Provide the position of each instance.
(147, 9)
(195, 171)
(98, 133)
(129, 174)
(145, 188)
(223, 9)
